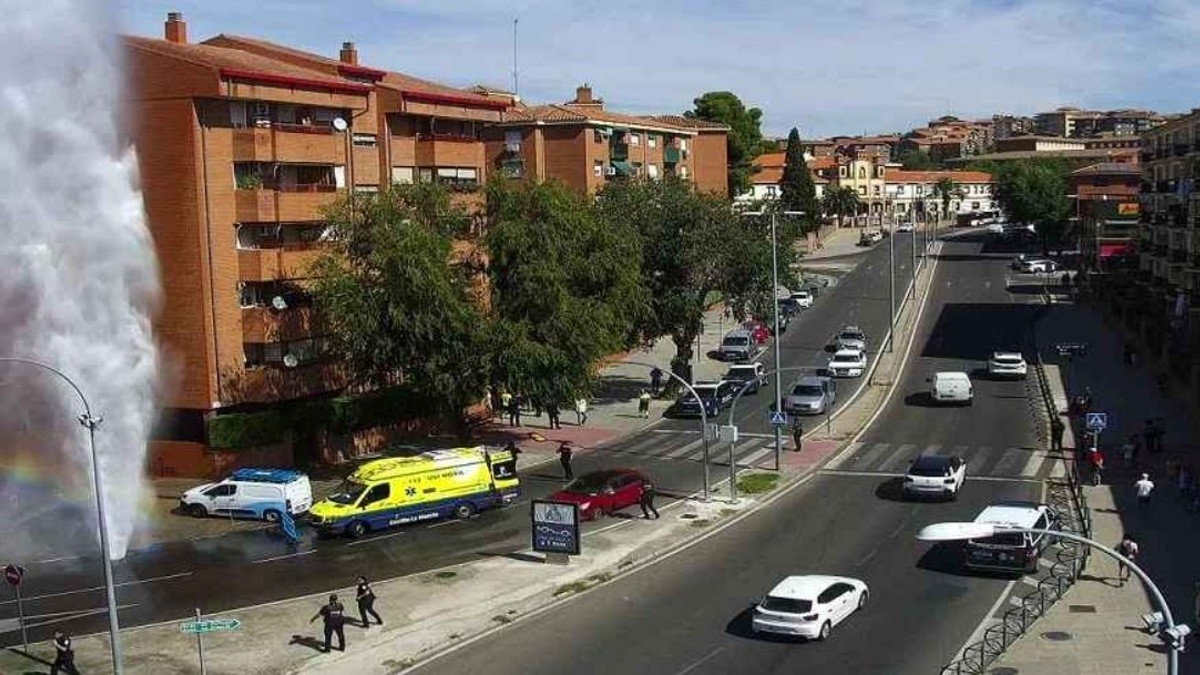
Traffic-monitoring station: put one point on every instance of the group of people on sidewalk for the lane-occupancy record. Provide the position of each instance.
(505, 403)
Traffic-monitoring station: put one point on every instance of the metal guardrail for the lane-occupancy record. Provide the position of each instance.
(1065, 496)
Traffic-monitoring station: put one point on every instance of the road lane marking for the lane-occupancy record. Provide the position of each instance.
(897, 474)
(701, 662)
(1035, 462)
(692, 432)
(282, 557)
(683, 450)
(98, 588)
(374, 539)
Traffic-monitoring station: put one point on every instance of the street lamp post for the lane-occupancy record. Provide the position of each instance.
(88, 420)
(703, 419)
(965, 531)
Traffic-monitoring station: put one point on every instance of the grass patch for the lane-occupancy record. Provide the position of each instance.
(395, 666)
(703, 522)
(728, 512)
(600, 577)
(500, 618)
(757, 483)
(445, 574)
(624, 563)
(573, 587)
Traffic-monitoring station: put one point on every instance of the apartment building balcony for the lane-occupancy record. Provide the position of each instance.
(289, 142)
(286, 203)
(512, 165)
(618, 152)
(449, 151)
(672, 155)
(267, 383)
(276, 263)
(267, 324)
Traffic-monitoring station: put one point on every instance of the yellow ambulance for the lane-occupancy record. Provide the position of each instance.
(458, 482)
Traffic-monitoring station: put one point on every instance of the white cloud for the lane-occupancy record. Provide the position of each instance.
(828, 67)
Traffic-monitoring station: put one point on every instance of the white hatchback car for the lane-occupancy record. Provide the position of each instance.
(847, 363)
(1007, 364)
(935, 476)
(808, 606)
(803, 298)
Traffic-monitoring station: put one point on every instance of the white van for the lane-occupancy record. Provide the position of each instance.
(951, 387)
(1011, 551)
(262, 494)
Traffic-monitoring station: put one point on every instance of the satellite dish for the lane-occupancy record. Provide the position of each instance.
(291, 361)
(279, 303)
(339, 124)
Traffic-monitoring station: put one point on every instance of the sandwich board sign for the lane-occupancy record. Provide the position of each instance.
(555, 527)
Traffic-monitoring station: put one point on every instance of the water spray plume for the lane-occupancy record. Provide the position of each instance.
(78, 277)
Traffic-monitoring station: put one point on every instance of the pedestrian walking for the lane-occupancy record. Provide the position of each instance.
(564, 458)
(647, 500)
(1057, 429)
(644, 404)
(797, 433)
(1096, 459)
(64, 655)
(552, 414)
(1143, 488)
(333, 616)
(505, 402)
(514, 411)
(581, 409)
(656, 376)
(1128, 548)
(366, 602)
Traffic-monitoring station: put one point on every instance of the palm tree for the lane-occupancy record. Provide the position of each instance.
(840, 201)
(947, 190)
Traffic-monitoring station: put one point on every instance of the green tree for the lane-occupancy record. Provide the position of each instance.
(797, 191)
(915, 160)
(945, 189)
(566, 289)
(841, 201)
(396, 308)
(1036, 191)
(745, 139)
(693, 246)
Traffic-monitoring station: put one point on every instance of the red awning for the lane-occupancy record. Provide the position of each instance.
(1116, 250)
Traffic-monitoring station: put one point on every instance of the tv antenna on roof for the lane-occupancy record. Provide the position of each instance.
(516, 83)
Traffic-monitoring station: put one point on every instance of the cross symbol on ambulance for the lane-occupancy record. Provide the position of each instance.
(410, 491)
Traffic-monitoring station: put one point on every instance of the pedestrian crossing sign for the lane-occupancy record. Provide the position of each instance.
(1097, 421)
(779, 419)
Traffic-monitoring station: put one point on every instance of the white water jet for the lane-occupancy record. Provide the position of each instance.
(78, 275)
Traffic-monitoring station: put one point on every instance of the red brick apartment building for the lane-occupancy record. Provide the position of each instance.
(584, 146)
(241, 143)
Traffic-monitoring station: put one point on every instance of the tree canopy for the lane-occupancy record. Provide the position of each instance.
(915, 160)
(840, 200)
(1036, 191)
(745, 140)
(797, 191)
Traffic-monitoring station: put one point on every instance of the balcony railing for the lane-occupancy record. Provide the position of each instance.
(618, 151)
(300, 187)
(453, 138)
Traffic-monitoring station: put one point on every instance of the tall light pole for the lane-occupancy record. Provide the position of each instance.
(891, 284)
(965, 531)
(703, 419)
(775, 306)
(91, 422)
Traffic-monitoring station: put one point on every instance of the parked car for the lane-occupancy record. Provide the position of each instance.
(803, 297)
(749, 375)
(714, 396)
(808, 606)
(1017, 262)
(1015, 551)
(1038, 265)
(603, 493)
(850, 337)
(935, 475)
(811, 395)
(951, 387)
(738, 345)
(758, 330)
(995, 228)
(847, 363)
(1007, 364)
(789, 307)
(251, 493)
(869, 238)
(905, 227)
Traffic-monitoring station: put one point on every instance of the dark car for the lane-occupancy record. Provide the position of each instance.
(716, 396)
(789, 307)
(603, 493)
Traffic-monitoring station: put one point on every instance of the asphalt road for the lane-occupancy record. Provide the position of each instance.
(689, 614)
(166, 582)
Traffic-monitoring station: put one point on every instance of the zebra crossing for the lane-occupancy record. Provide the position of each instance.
(750, 451)
(982, 460)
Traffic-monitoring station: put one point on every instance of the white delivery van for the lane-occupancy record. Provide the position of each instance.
(251, 493)
(951, 387)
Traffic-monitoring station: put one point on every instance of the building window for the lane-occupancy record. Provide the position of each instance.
(879, 172)
(365, 140)
(598, 169)
(652, 140)
(862, 190)
(841, 172)
(425, 174)
(598, 136)
(366, 188)
(635, 139)
(683, 145)
(402, 175)
(683, 172)
(876, 190)
(456, 177)
(255, 236)
(862, 172)
(637, 168)
(652, 170)
(974, 206)
(288, 354)
(279, 295)
(772, 191)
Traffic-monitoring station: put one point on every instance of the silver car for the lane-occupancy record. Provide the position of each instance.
(811, 396)
(850, 337)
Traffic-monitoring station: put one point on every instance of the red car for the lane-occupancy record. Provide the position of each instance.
(602, 493)
(758, 330)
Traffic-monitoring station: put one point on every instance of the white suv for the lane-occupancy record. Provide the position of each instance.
(1007, 364)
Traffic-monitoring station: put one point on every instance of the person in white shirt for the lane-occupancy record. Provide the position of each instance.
(1143, 488)
(1128, 548)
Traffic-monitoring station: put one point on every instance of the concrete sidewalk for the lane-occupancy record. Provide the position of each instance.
(1096, 627)
(432, 611)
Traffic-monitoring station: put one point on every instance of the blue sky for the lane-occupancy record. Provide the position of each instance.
(850, 66)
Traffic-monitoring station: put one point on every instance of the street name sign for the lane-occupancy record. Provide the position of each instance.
(209, 626)
(1097, 421)
(555, 527)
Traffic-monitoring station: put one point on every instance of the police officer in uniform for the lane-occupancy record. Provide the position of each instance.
(64, 656)
(334, 617)
(366, 602)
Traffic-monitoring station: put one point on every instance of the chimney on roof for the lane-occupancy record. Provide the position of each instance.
(583, 96)
(348, 54)
(175, 29)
